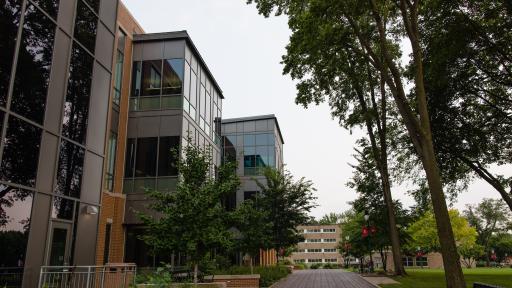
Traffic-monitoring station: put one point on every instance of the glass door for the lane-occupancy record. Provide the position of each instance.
(59, 244)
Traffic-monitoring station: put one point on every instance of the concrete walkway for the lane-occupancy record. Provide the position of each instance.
(323, 278)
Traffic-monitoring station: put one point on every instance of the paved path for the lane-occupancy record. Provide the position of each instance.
(324, 279)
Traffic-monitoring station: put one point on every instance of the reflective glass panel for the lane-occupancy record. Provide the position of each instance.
(249, 157)
(136, 78)
(95, 4)
(85, 26)
(34, 64)
(169, 147)
(49, 6)
(76, 107)
(15, 213)
(261, 156)
(118, 77)
(21, 152)
(173, 76)
(249, 140)
(145, 164)
(130, 158)
(186, 80)
(111, 161)
(261, 139)
(167, 184)
(151, 77)
(1, 123)
(70, 170)
(10, 12)
(193, 91)
(63, 208)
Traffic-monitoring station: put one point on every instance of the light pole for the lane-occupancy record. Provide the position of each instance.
(347, 248)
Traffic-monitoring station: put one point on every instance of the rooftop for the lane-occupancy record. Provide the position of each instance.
(253, 118)
(178, 35)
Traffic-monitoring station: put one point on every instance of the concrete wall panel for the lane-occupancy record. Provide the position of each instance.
(93, 172)
(98, 109)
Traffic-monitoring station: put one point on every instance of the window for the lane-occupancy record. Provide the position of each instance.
(145, 163)
(313, 240)
(330, 250)
(76, 107)
(331, 260)
(34, 63)
(408, 261)
(173, 76)
(167, 161)
(151, 77)
(106, 248)
(313, 231)
(21, 153)
(50, 6)
(137, 76)
(63, 208)
(330, 230)
(421, 261)
(301, 250)
(111, 161)
(95, 4)
(316, 250)
(299, 260)
(70, 169)
(314, 260)
(1, 123)
(9, 21)
(86, 24)
(330, 240)
(250, 195)
(118, 81)
(130, 158)
(17, 204)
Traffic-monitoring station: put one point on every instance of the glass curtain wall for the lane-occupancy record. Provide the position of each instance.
(151, 164)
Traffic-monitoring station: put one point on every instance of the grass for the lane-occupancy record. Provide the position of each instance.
(434, 278)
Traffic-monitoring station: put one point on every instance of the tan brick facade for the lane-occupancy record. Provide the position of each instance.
(113, 203)
(309, 252)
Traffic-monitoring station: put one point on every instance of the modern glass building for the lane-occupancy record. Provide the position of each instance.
(55, 74)
(255, 143)
(174, 99)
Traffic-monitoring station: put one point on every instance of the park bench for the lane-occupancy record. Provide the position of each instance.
(483, 285)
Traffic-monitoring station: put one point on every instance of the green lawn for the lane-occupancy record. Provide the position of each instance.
(434, 278)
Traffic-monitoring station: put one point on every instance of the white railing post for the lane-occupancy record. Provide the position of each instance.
(88, 276)
(103, 277)
(40, 277)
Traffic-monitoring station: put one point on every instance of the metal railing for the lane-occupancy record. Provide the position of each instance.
(108, 276)
(11, 276)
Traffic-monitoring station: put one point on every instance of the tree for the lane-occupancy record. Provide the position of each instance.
(330, 219)
(424, 235)
(254, 229)
(287, 203)
(378, 28)
(502, 245)
(191, 220)
(488, 218)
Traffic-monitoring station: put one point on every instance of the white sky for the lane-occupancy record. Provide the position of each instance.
(243, 51)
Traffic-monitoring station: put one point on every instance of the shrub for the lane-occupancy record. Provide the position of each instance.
(285, 262)
(316, 266)
(299, 266)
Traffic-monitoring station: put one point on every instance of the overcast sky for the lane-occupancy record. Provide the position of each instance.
(243, 50)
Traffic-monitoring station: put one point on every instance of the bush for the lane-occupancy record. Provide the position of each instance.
(316, 266)
(299, 266)
(331, 266)
(285, 262)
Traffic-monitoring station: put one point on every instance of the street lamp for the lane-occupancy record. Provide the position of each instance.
(347, 248)
(367, 219)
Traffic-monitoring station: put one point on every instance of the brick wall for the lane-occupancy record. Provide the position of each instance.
(238, 281)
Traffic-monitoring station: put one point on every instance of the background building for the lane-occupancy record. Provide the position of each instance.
(320, 245)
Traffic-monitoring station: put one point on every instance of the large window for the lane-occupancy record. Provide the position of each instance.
(168, 151)
(118, 82)
(408, 261)
(86, 23)
(421, 261)
(21, 152)
(50, 6)
(129, 167)
(16, 207)
(76, 107)
(145, 163)
(173, 76)
(34, 63)
(111, 161)
(10, 14)
(151, 80)
(258, 153)
(70, 169)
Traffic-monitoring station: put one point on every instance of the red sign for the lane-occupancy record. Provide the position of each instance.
(365, 231)
(373, 229)
(419, 254)
(493, 257)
